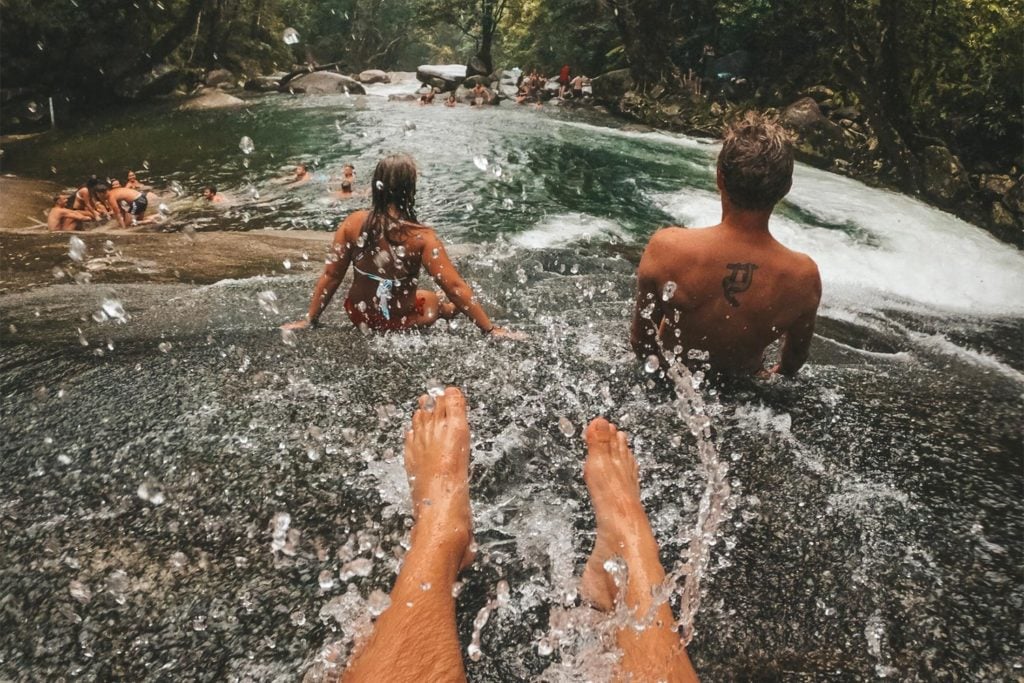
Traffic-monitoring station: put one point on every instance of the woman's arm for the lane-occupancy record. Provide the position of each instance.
(440, 267)
(330, 279)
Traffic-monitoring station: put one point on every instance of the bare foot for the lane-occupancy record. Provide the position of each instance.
(614, 484)
(437, 462)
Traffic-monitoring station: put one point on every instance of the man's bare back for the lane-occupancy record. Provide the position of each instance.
(721, 295)
(734, 294)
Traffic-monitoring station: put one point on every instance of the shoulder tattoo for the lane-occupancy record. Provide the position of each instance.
(740, 276)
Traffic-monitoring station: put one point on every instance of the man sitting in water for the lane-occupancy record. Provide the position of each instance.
(61, 218)
(724, 293)
(386, 247)
(128, 205)
(416, 638)
(302, 175)
(481, 95)
(210, 195)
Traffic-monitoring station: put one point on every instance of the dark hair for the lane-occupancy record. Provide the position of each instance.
(756, 162)
(99, 186)
(56, 197)
(393, 184)
(211, 188)
(348, 166)
(346, 186)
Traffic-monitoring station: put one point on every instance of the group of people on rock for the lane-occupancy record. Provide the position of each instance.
(100, 200)
(714, 298)
(478, 95)
(531, 88)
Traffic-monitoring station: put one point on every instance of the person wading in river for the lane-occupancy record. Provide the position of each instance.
(731, 290)
(386, 247)
(416, 638)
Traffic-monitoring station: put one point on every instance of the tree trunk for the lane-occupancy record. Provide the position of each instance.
(641, 25)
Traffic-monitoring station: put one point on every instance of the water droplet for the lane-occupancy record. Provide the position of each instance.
(268, 301)
(177, 188)
(289, 339)
(113, 309)
(326, 580)
(145, 164)
(481, 162)
(164, 209)
(566, 427)
(652, 363)
(377, 602)
(358, 567)
(469, 207)
(668, 290)
(425, 586)
(41, 46)
(164, 347)
(290, 36)
(409, 127)
(379, 184)
(508, 203)
(298, 618)
(246, 145)
(287, 264)
(151, 492)
(76, 249)
(199, 623)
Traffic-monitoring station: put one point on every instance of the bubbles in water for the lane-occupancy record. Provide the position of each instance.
(108, 247)
(254, 193)
(177, 188)
(179, 560)
(481, 162)
(652, 363)
(287, 264)
(326, 580)
(508, 203)
(151, 492)
(358, 567)
(565, 426)
(279, 531)
(290, 36)
(164, 347)
(288, 338)
(668, 290)
(409, 127)
(469, 207)
(80, 592)
(298, 618)
(199, 623)
(76, 249)
(378, 602)
(246, 145)
(435, 388)
(268, 301)
(164, 209)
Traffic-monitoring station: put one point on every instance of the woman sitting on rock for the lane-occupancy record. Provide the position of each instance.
(386, 247)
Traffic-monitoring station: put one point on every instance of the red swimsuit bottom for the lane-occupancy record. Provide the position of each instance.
(376, 321)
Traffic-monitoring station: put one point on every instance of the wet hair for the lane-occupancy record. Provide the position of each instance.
(393, 184)
(211, 188)
(99, 186)
(756, 162)
(346, 186)
(348, 166)
(57, 197)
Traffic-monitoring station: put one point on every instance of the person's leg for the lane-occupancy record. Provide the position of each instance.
(416, 639)
(655, 653)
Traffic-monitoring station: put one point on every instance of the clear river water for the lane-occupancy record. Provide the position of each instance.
(184, 496)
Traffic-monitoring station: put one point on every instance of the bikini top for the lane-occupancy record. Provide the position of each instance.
(384, 287)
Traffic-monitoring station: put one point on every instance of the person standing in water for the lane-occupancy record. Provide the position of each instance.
(416, 638)
(128, 205)
(386, 247)
(721, 295)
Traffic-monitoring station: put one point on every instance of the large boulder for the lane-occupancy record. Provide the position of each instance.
(219, 77)
(211, 98)
(374, 76)
(610, 87)
(444, 77)
(945, 178)
(324, 83)
(472, 81)
(802, 115)
(818, 139)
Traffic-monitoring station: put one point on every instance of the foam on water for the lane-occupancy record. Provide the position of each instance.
(888, 250)
(569, 228)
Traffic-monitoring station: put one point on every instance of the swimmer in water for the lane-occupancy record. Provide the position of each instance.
(451, 101)
(416, 638)
(133, 182)
(210, 195)
(302, 175)
(728, 291)
(428, 98)
(62, 219)
(386, 247)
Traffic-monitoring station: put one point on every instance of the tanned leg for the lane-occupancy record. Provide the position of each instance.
(415, 639)
(655, 653)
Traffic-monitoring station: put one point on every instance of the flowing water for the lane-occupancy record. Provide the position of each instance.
(189, 496)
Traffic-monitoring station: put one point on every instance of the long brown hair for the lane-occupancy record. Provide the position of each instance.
(394, 184)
